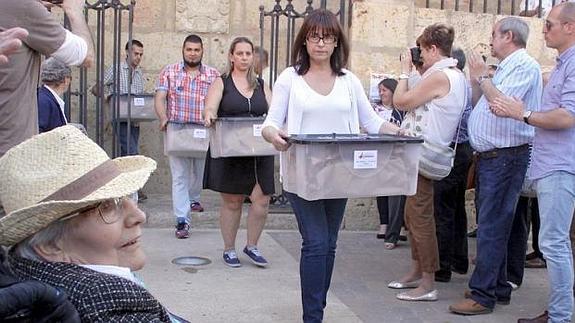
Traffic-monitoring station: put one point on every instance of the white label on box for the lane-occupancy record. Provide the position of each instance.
(258, 130)
(364, 159)
(200, 133)
(139, 102)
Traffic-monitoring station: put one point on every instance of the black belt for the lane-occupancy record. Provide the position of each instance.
(503, 151)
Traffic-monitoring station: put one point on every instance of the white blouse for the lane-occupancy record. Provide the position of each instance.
(299, 109)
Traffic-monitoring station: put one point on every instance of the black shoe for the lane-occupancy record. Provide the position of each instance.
(380, 235)
(532, 255)
(442, 276)
(460, 271)
(402, 237)
(472, 234)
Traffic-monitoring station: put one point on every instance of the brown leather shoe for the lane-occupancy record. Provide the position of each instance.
(469, 307)
(467, 295)
(539, 319)
(535, 263)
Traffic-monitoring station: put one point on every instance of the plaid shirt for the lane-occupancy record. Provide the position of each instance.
(137, 79)
(185, 96)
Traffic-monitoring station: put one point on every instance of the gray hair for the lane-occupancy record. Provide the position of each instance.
(48, 236)
(567, 11)
(54, 71)
(518, 28)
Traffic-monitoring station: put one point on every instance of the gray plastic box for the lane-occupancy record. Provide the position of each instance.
(186, 140)
(239, 136)
(141, 107)
(341, 166)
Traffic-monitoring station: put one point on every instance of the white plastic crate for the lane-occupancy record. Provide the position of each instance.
(239, 136)
(186, 140)
(141, 107)
(341, 166)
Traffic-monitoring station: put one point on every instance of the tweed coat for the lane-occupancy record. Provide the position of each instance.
(98, 297)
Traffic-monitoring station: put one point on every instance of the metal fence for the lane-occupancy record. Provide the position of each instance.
(500, 7)
(272, 35)
(102, 10)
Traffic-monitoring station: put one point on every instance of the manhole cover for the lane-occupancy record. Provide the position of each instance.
(191, 261)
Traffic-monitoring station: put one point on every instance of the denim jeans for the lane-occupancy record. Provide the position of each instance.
(556, 194)
(517, 244)
(187, 177)
(450, 215)
(500, 176)
(318, 222)
(133, 139)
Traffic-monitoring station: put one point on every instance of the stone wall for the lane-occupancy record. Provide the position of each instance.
(378, 30)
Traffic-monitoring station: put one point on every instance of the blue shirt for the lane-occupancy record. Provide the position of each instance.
(554, 150)
(518, 75)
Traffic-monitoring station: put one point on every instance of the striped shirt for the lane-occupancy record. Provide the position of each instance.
(518, 75)
(124, 71)
(186, 95)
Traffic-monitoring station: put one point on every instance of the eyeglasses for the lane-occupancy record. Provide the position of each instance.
(327, 39)
(109, 210)
(550, 24)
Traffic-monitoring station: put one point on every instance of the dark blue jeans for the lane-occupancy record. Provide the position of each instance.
(319, 222)
(133, 139)
(500, 175)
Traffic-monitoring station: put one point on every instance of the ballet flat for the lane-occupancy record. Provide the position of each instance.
(399, 285)
(429, 297)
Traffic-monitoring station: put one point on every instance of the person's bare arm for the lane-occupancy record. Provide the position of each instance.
(160, 107)
(213, 101)
(74, 9)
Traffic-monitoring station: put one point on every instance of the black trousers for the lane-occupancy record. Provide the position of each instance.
(527, 211)
(450, 215)
(390, 210)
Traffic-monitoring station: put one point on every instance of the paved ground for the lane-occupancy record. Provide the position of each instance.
(217, 293)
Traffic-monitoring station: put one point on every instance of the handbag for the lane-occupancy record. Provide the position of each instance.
(436, 160)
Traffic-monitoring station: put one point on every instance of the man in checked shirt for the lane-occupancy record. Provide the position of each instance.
(180, 94)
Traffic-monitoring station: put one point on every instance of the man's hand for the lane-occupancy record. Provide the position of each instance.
(508, 107)
(477, 67)
(10, 41)
(163, 124)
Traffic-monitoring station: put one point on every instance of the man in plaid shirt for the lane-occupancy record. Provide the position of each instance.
(180, 93)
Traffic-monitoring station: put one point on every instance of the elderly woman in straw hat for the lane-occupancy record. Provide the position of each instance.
(70, 223)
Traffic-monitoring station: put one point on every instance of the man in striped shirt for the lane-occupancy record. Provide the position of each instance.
(502, 144)
(180, 93)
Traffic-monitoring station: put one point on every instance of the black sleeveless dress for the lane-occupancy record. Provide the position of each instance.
(239, 175)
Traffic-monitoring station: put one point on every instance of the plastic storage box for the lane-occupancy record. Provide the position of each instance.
(141, 107)
(186, 140)
(340, 166)
(239, 136)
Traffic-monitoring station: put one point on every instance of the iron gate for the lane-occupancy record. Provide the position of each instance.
(96, 126)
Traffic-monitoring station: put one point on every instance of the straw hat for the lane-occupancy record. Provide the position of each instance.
(57, 173)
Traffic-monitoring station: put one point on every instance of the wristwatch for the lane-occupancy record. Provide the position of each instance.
(482, 78)
(403, 76)
(526, 116)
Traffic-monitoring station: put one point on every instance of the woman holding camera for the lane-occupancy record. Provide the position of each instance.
(434, 108)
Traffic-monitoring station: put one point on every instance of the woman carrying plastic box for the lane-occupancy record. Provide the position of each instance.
(319, 96)
(239, 93)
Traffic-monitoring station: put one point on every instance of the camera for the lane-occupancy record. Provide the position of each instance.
(416, 56)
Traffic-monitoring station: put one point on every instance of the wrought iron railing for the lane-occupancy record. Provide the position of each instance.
(500, 7)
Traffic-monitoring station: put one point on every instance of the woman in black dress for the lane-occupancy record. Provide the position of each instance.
(239, 93)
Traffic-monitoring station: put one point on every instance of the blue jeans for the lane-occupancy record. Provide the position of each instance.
(187, 177)
(517, 244)
(556, 194)
(318, 222)
(500, 175)
(133, 139)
